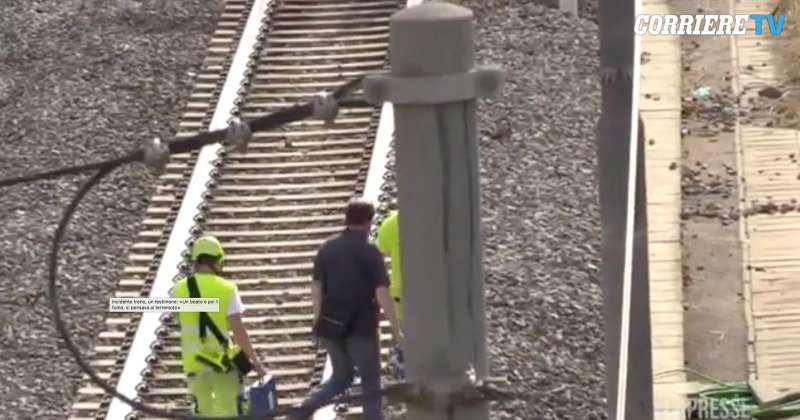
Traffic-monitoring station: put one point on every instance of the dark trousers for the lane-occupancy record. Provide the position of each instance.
(359, 352)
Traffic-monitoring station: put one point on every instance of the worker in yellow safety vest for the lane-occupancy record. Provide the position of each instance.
(389, 245)
(214, 381)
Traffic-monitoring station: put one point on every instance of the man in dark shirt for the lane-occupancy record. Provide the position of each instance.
(350, 271)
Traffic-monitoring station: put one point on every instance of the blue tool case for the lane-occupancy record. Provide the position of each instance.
(262, 398)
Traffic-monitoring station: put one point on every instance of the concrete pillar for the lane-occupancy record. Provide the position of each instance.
(569, 6)
(433, 87)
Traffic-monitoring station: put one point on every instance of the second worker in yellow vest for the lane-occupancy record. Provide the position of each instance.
(389, 244)
(214, 386)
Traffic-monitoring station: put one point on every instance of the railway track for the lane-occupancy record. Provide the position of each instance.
(272, 206)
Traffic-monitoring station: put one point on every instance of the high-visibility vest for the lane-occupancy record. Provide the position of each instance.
(210, 286)
(389, 244)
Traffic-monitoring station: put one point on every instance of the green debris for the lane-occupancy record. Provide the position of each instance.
(781, 411)
(702, 92)
(725, 401)
(726, 391)
(737, 400)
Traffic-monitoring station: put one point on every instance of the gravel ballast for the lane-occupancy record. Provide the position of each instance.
(79, 82)
(59, 97)
(540, 210)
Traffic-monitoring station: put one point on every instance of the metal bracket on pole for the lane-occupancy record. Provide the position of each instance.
(476, 83)
(156, 155)
(433, 87)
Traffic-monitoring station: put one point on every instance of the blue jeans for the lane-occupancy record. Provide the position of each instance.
(359, 352)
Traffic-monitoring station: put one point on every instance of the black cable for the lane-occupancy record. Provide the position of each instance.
(71, 170)
(354, 103)
(184, 145)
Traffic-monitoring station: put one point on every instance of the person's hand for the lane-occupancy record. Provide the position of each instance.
(260, 370)
(397, 337)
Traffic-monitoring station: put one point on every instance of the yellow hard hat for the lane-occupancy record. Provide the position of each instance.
(207, 245)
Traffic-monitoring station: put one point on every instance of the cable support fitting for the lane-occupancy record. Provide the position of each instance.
(238, 134)
(325, 107)
(156, 154)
